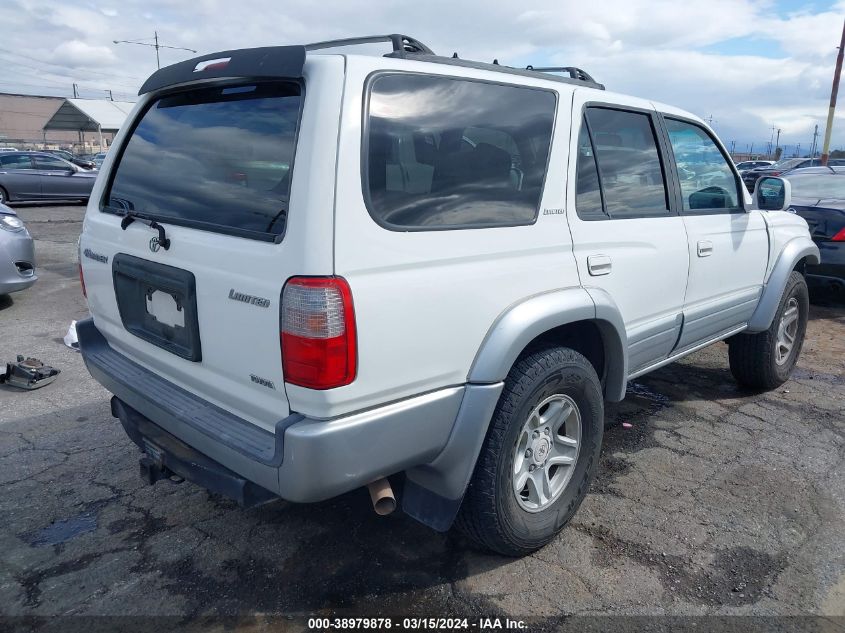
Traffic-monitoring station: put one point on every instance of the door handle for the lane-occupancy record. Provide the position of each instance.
(599, 265)
(705, 248)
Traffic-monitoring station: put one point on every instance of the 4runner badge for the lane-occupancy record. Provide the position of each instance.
(103, 259)
(261, 302)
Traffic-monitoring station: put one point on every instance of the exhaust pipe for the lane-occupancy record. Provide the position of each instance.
(382, 497)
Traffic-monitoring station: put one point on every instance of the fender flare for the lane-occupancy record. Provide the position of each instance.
(795, 250)
(522, 322)
(433, 492)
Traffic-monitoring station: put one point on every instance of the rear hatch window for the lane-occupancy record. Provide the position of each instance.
(218, 159)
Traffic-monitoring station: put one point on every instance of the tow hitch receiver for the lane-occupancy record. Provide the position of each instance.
(153, 471)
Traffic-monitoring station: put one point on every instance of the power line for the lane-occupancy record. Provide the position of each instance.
(48, 63)
(54, 74)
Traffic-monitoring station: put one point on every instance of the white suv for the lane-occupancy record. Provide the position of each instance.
(309, 270)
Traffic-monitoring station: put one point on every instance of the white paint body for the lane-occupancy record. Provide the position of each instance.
(424, 301)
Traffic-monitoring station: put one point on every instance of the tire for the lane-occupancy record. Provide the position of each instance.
(4, 197)
(758, 361)
(493, 514)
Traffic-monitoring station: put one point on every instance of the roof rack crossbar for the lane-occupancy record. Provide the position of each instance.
(401, 43)
(573, 71)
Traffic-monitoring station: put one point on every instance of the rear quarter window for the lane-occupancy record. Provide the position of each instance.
(218, 159)
(448, 153)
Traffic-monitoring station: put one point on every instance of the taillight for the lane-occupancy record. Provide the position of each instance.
(839, 237)
(318, 332)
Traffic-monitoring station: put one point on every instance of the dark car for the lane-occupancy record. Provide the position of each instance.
(818, 196)
(79, 161)
(40, 176)
(751, 176)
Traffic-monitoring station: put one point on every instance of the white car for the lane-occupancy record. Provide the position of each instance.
(310, 270)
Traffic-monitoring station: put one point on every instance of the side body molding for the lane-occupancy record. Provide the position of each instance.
(434, 491)
(795, 250)
(521, 323)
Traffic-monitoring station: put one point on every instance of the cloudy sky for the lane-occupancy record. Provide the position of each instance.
(750, 64)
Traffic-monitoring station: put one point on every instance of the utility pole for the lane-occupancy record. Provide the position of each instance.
(798, 150)
(815, 136)
(111, 96)
(154, 45)
(733, 146)
(834, 90)
(75, 91)
(710, 120)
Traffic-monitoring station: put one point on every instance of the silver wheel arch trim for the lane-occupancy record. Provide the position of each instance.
(522, 322)
(795, 250)
(448, 475)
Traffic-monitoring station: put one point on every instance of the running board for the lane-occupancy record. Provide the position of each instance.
(687, 351)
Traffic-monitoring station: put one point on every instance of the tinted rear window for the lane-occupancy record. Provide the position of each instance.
(444, 153)
(218, 159)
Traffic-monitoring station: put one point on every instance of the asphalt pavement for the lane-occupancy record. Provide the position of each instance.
(711, 501)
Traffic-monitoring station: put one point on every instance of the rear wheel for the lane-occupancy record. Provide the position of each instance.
(4, 197)
(540, 453)
(766, 359)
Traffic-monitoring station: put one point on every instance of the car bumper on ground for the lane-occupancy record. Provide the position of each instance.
(17, 261)
(305, 459)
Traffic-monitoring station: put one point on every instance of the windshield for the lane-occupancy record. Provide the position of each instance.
(218, 159)
(818, 186)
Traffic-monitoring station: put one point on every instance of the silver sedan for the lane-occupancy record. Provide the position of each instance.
(39, 176)
(17, 253)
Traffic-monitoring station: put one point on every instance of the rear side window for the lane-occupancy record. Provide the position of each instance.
(444, 153)
(629, 167)
(218, 159)
(15, 162)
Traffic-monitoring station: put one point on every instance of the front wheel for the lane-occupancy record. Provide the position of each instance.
(765, 360)
(540, 453)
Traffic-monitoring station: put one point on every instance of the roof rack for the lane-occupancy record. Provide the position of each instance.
(573, 71)
(407, 47)
(401, 43)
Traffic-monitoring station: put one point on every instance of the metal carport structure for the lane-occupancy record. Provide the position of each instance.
(90, 115)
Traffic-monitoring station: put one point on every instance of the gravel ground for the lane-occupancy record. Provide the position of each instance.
(715, 502)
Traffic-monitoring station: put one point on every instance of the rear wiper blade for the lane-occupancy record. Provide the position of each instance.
(129, 218)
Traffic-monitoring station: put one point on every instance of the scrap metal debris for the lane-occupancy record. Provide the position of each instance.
(28, 373)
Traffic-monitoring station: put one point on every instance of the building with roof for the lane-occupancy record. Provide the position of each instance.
(82, 125)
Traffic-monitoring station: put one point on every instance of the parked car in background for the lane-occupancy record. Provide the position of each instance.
(818, 196)
(753, 164)
(17, 253)
(79, 161)
(8, 149)
(751, 176)
(39, 176)
(98, 159)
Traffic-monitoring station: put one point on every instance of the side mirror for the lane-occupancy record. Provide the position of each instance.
(772, 194)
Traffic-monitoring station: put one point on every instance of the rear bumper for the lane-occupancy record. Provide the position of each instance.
(304, 460)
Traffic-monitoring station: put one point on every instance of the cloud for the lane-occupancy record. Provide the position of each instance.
(76, 53)
(670, 51)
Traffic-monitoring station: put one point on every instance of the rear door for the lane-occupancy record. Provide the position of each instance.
(19, 177)
(60, 179)
(628, 237)
(214, 166)
(728, 246)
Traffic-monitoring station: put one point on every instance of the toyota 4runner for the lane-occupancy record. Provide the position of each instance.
(309, 270)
